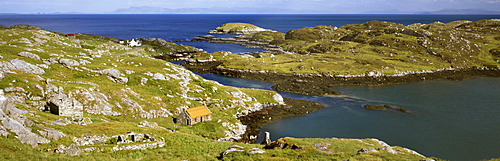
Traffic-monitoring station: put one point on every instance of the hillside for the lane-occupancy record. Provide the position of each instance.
(91, 98)
(373, 48)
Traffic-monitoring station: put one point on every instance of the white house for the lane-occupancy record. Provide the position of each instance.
(134, 43)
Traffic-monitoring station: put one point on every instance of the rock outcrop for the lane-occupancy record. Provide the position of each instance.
(20, 65)
(237, 28)
(12, 119)
(237, 148)
(114, 75)
(70, 150)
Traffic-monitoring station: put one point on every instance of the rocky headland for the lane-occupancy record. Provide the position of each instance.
(237, 28)
(312, 60)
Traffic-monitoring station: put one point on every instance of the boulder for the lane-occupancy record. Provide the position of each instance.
(20, 65)
(365, 150)
(13, 120)
(114, 75)
(70, 150)
(29, 55)
(256, 151)
(51, 133)
(69, 62)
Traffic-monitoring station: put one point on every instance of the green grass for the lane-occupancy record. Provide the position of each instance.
(195, 142)
(386, 47)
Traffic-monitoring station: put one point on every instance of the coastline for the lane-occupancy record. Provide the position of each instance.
(291, 108)
(317, 84)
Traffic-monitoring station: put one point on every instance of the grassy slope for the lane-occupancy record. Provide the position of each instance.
(181, 142)
(388, 48)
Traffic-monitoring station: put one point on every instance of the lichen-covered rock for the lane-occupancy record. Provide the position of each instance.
(20, 65)
(29, 55)
(51, 133)
(70, 150)
(69, 62)
(114, 75)
(95, 102)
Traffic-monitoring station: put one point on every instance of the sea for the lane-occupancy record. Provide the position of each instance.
(453, 120)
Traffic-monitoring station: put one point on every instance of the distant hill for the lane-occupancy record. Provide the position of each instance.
(214, 10)
(463, 11)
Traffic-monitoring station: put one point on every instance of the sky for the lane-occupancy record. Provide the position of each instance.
(289, 6)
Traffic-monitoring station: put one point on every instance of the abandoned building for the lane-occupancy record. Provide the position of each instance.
(194, 115)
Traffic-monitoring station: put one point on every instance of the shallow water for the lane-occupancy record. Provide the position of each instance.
(455, 120)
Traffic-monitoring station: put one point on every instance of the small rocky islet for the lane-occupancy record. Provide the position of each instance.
(87, 97)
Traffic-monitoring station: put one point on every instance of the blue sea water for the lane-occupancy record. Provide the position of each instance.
(455, 120)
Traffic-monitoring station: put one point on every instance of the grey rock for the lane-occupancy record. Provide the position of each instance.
(50, 61)
(91, 140)
(32, 139)
(4, 132)
(114, 75)
(256, 151)
(427, 159)
(160, 76)
(365, 150)
(228, 151)
(388, 149)
(51, 133)
(140, 146)
(63, 122)
(69, 62)
(83, 62)
(95, 102)
(20, 65)
(14, 121)
(72, 150)
(29, 55)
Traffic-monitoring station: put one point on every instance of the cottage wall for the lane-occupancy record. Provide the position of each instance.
(184, 118)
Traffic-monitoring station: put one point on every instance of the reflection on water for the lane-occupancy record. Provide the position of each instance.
(455, 120)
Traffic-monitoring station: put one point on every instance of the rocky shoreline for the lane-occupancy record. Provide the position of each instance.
(247, 42)
(318, 84)
(292, 107)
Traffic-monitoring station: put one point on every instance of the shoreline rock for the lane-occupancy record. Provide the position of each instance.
(292, 107)
(320, 84)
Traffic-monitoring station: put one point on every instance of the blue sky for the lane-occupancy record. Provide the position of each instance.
(298, 6)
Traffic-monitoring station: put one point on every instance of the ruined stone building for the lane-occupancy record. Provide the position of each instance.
(194, 115)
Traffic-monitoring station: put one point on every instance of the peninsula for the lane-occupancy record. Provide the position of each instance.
(312, 60)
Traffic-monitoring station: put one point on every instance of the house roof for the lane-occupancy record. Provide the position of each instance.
(198, 111)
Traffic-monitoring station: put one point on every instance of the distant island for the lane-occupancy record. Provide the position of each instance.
(463, 12)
